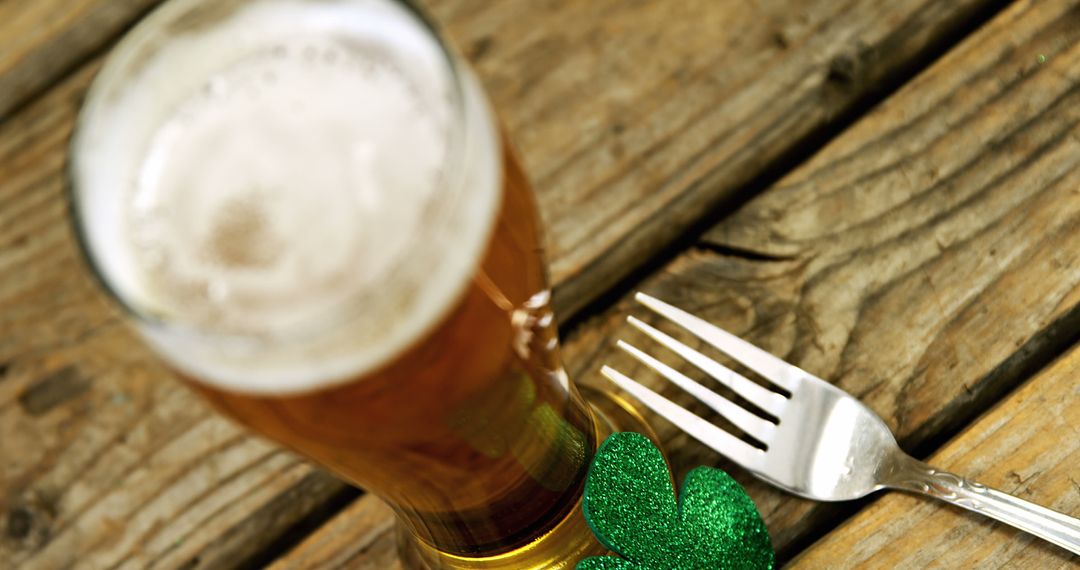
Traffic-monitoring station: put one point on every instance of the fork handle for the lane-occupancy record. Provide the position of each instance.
(1042, 522)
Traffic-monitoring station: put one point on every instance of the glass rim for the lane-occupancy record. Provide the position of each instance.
(131, 42)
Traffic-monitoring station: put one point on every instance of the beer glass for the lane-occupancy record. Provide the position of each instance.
(307, 208)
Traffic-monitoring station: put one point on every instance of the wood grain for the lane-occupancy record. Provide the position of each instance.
(41, 41)
(924, 261)
(1028, 446)
(360, 537)
(637, 119)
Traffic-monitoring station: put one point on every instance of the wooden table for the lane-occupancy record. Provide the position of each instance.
(884, 193)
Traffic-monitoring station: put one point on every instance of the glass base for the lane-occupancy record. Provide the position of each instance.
(563, 546)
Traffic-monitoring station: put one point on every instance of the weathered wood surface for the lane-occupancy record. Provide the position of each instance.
(41, 40)
(1028, 446)
(634, 119)
(361, 537)
(926, 261)
(623, 111)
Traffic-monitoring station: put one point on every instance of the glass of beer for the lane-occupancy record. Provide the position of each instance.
(308, 209)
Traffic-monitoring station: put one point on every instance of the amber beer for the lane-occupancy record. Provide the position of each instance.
(472, 433)
(308, 211)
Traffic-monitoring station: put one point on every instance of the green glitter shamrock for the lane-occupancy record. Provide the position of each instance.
(630, 505)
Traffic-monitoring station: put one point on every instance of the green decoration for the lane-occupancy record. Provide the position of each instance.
(630, 505)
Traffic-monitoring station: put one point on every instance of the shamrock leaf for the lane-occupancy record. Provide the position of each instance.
(631, 506)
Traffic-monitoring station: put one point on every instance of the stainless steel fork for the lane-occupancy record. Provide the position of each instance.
(826, 445)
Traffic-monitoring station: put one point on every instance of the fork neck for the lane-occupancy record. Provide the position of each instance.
(913, 475)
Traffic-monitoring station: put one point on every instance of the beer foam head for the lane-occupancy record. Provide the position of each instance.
(287, 193)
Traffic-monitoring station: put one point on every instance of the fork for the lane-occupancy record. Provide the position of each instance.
(825, 444)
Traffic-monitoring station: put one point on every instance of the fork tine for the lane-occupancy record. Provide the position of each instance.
(752, 425)
(767, 400)
(719, 440)
(768, 366)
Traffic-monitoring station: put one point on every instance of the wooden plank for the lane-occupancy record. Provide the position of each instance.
(637, 119)
(361, 536)
(924, 261)
(42, 40)
(107, 463)
(1027, 446)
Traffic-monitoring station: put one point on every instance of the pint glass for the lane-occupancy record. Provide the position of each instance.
(308, 209)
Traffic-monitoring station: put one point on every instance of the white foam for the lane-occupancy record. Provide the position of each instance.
(290, 192)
